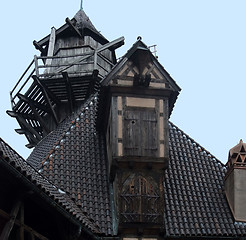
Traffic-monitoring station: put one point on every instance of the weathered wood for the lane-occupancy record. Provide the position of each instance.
(51, 47)
(166, 127)
(20, 131)
(140, 132)
(114, 122)
(70, 94)
(70, 23)
(31, 131)
(95, 59)
(32, 105)
(26, 228)
(38, 47)
(36, 65)
(21, 230)
(48, 94)
(32, 102)
(61, 69)
(9, 225)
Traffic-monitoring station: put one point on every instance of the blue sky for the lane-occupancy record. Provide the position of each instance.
(200, 43)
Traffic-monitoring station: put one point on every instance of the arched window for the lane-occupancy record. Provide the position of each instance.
(140, 200)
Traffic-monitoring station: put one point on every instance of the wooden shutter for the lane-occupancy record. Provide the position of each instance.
(131, 139)
(149, 132)
(140, 132)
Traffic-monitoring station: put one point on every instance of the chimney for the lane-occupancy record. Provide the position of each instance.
(235, 181)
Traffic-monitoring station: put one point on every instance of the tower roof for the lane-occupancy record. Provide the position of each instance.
(81, 23)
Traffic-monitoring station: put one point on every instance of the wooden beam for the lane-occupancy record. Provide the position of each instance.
(9, 225)
(29, 129)
(26, 228)
(38, 47)
(32, 105)
(33, 102)
(24, 115)
(70, 23)
(46, 91)
(47, 94)
(30, 145)
(112, 45)
(21, 230)
(70, 94)
(20, 131)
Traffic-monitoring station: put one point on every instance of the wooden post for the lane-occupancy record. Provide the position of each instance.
(21, 231)
(51, 48)
(36, 65)
(9, 225)
(95, 60)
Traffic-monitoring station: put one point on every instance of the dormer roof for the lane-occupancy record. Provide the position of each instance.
(140, 69)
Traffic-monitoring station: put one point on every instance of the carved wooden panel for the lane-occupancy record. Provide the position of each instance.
(140, 200)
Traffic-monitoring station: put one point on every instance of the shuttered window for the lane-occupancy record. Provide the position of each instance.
(140, 132)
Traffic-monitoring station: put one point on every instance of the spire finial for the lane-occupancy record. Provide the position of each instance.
(81, 5)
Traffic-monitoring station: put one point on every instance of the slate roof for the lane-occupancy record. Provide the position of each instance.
(14, 161)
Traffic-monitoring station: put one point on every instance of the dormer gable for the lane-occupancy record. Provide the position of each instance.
(138, 71)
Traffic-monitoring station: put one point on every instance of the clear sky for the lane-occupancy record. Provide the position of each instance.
(201, 43)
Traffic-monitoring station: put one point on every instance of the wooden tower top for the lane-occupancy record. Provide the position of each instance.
(73, 60)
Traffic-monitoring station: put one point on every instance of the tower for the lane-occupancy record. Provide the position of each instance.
(73, 60)
(141, 96)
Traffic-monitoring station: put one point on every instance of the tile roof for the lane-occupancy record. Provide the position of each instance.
(195, 200)
(11, 158)
(73, 158)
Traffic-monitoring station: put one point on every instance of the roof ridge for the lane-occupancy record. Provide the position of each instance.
(195, 142)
